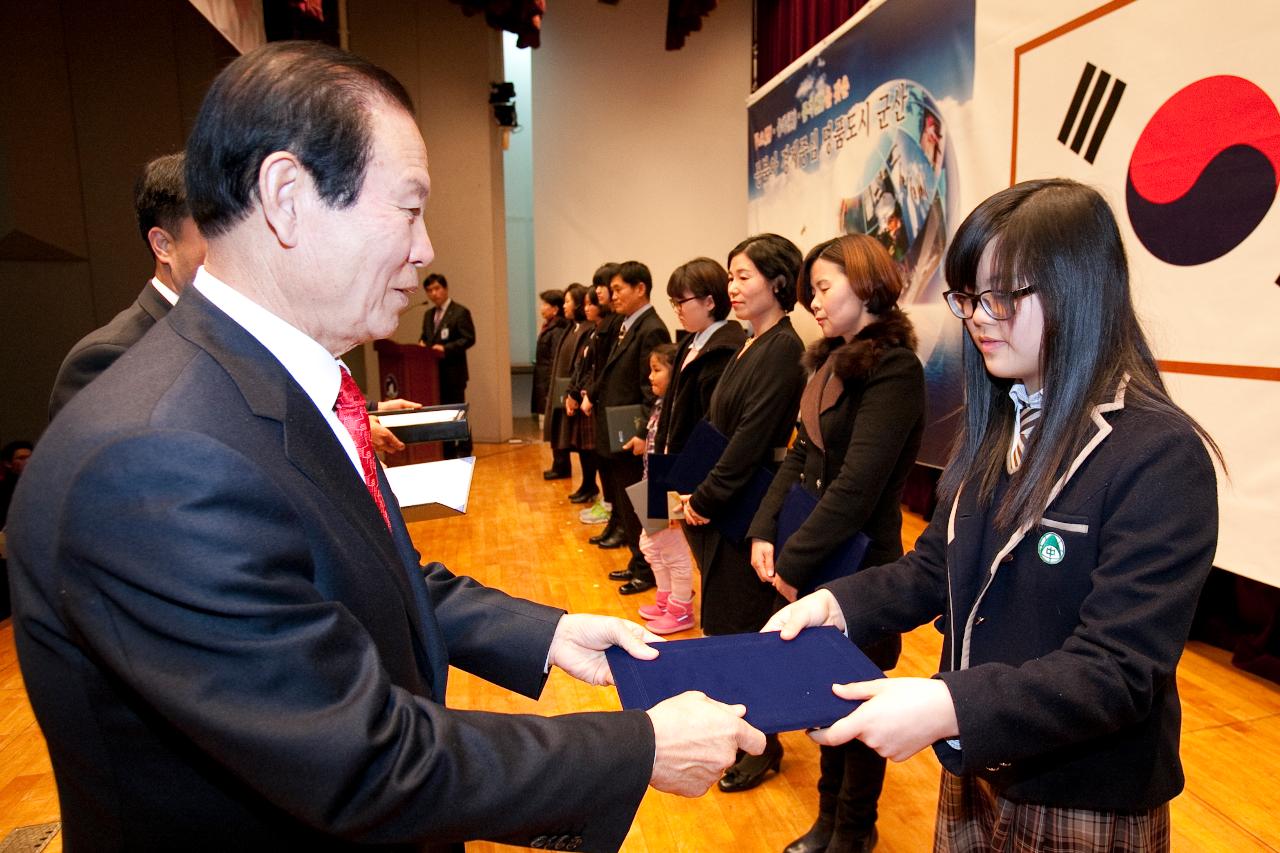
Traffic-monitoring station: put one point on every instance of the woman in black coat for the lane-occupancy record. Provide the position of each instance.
(556, 427)
(754, 406)
(550, 306)
(592, 350)
(861, 419)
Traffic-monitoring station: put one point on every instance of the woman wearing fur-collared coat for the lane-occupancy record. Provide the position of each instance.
(861, 418)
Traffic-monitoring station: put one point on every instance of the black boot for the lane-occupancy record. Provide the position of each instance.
(846, 841)
(815, 840)
(751, 770)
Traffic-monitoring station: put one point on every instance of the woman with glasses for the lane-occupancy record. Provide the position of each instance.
(699, 293)
(861, 419)
(1077, 523)
(754, 406)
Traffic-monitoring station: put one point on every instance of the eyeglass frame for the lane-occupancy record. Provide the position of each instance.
(677, 303)
(977, 298)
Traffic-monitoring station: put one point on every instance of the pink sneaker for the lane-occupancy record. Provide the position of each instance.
(658, 608)
(679, 617)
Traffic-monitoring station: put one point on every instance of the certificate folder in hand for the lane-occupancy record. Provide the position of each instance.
(786, 685)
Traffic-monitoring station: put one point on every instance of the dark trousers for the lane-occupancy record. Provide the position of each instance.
(587, 461)
(850, 784)
(617, 471)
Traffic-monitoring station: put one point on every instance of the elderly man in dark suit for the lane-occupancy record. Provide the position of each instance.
(624, 381)
(448, 330)
(160, 204)
(226, 635)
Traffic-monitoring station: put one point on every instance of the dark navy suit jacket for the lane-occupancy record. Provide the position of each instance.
(226, 649)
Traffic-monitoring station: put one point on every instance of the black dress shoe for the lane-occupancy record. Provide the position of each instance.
(855, 842)
(583, 497)
(617, 540)
(553, 474)
(620, 574)
(635, 585)
(816, 839)
(751, 770)
(607, 533)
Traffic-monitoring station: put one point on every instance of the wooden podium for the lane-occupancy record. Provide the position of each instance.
(410, 372)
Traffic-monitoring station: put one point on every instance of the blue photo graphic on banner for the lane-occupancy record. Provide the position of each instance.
(857, 140)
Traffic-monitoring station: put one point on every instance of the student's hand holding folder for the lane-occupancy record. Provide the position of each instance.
(897, 717)
(812, 611)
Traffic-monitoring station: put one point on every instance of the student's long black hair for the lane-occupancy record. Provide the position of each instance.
(1061, 237)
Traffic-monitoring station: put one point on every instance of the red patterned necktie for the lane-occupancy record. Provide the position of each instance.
(353, 415)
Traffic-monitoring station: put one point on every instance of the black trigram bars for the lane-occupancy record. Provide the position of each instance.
(1090, 110)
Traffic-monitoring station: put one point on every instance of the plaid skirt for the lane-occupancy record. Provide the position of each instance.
(973, 818)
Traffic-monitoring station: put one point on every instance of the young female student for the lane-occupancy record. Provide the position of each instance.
(861, 418)
(665, 550)
(754, 406)
(1077, 524)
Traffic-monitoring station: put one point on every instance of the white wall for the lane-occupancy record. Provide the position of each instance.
(638, 153)
(446, 61)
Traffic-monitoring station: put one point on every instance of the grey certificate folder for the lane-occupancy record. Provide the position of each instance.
(786, 685)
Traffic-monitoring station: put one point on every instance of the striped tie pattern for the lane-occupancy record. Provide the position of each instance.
(1027, 418)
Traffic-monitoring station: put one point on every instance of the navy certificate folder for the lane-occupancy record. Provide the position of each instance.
(845, 560)
(786, 686)
(701, 452)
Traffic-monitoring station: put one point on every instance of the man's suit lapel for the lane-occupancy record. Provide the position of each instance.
(311, 447)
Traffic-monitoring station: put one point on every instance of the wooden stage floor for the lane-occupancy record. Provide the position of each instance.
(521, 535)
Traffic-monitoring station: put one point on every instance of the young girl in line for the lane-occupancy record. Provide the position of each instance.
(666, 550)
(1076, 525)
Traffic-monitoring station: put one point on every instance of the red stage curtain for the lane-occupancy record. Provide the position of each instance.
(784, 29)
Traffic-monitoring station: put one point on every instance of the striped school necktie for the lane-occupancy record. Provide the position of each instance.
(1027, 418)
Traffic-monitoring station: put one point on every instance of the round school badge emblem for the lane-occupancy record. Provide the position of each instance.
(1051, 549)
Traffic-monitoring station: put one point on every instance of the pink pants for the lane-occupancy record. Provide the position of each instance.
(668, 555)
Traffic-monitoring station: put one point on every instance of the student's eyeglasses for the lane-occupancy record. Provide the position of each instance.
(999, 304)
(676, 303)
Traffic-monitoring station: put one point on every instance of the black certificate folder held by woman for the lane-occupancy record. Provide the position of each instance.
(786, 685)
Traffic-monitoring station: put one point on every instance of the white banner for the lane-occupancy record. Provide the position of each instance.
(1166, 106)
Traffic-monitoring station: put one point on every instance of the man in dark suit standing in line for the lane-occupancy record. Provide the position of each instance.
(623, 381)
(224, 630)
(448, 330)
(160, 204)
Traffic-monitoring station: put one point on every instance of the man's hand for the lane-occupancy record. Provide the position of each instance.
(439, 348)
(899, 717)
(570, 405)
(697, 739)
(635, 445)
(581, 638)
(383, 439)
(397, 405)
(814, 610)
(587, 405)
